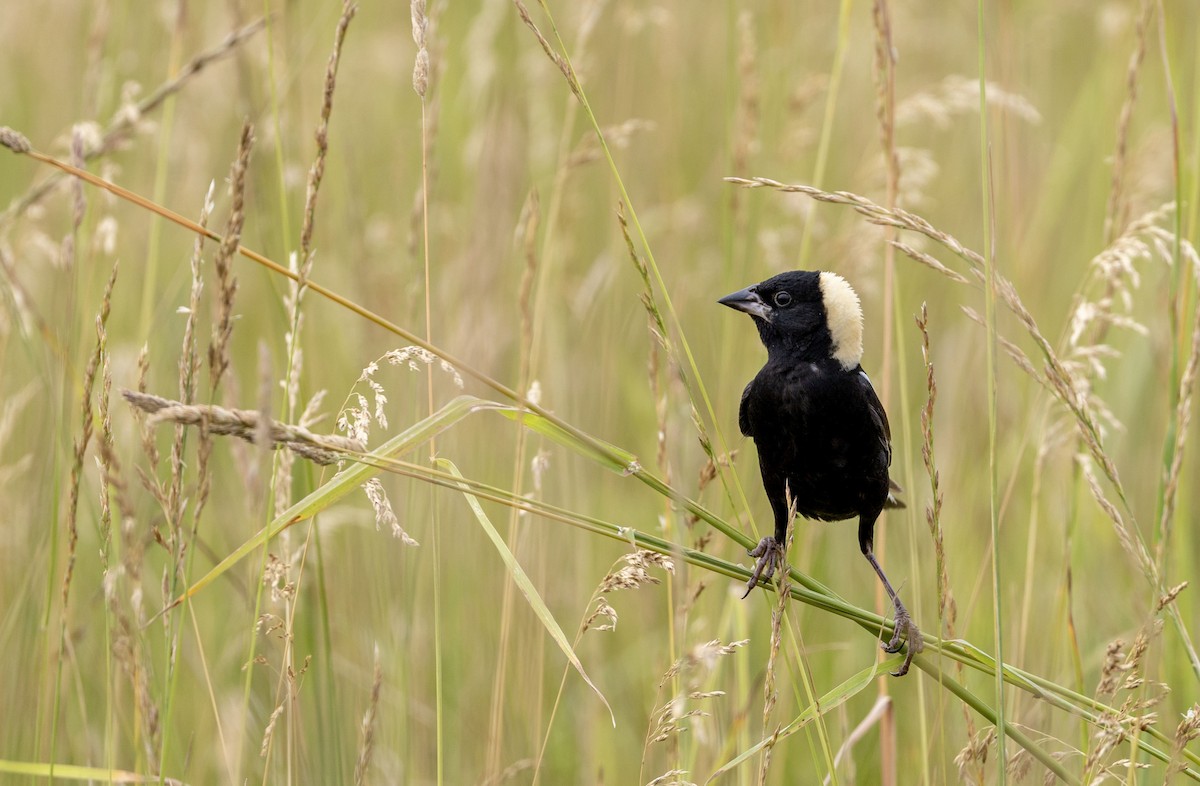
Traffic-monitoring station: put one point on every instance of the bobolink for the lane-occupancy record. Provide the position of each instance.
(822, 436)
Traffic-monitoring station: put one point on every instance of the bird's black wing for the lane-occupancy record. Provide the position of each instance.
(744, 412)
(878, 416)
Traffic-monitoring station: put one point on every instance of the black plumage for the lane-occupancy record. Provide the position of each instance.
(821, 432)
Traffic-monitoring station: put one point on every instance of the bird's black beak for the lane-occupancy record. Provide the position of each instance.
(747, 300)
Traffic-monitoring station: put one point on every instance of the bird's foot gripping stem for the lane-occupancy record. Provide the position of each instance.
(904, 631)
(769, 555)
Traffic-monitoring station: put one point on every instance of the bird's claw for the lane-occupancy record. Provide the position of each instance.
(769, 556)
(904, 630)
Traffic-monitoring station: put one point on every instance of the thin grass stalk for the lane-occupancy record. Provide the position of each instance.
(884, 73)
(989, 239)
(528, 225)
(770, 691)
(831, 97)
(420, 80)
(282, 465)
(809, 697)
(161, 173)
(1165, 497)
(281, 193)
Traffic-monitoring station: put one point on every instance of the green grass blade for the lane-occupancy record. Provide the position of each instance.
(75, 772)
(523, 583)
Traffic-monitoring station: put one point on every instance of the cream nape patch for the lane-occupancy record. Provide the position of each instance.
(843, 312)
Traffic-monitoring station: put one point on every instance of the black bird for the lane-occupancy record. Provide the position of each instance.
(822, 436)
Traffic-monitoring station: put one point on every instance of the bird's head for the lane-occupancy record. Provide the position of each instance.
(812, 313)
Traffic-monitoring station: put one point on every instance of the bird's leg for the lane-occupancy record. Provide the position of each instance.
(904, 629)
(770, 556)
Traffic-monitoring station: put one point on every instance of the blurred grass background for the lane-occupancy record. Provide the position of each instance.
(687, 95)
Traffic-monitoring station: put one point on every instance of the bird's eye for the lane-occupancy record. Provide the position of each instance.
(783, 299)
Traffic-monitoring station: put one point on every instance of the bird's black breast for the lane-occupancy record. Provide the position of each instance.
(821, 432)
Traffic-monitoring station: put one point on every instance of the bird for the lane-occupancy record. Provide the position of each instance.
(822, 435)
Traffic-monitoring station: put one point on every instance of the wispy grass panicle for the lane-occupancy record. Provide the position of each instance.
(1123, 675)
(668, 719)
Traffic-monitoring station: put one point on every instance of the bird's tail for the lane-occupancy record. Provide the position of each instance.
(892, 500)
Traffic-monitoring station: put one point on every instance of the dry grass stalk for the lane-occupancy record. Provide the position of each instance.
(322, 449)
(317, 171)
(930, 262)
(105, 446)
(770, 692)
(128, 118)
(301, 263)
(1118, 208)
(367, 729)
(947, 609)
(86, 426)
(559, 60)
(1183, 416)
(189, 364)
(1129, 539)
(660, 338)
(218, 349)
(527, 234)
